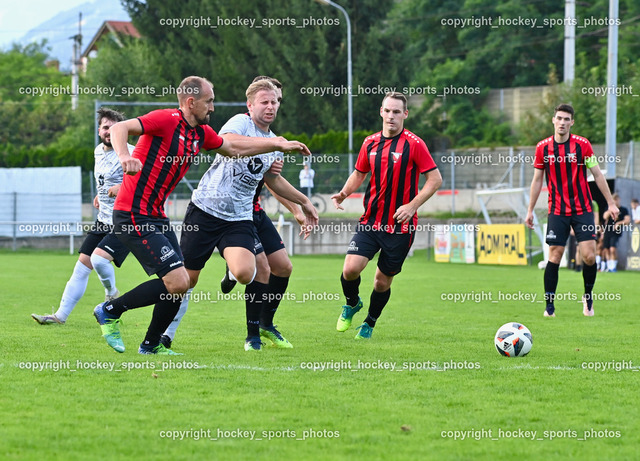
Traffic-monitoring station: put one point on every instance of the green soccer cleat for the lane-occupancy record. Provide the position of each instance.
(275, 337)
(344, 321)
(110, 327)
(364, 331)
(160, 349)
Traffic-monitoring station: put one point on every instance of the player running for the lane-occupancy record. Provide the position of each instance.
(564, 158)
(169, 140)
(396, 158)
(100, 247)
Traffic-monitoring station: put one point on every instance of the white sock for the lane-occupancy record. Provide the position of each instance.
(106, 273)
(232, 277)
(173, 326)
(614, 263)
(610, 264)
(598, 259)
(74, 290)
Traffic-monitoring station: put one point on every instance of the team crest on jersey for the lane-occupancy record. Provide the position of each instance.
(571, 157)
(396, 156)
(551, 235)
(166, 253)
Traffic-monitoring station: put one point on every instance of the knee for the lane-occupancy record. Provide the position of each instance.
(282, 270)
(350, 272)
(381, 284)
(589, 260)
(246, 276)
(177, 284)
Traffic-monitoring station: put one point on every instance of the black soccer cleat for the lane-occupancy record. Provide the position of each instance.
(226, 284)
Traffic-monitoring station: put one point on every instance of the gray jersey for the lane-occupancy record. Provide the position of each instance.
(108, 173)
(227, 188)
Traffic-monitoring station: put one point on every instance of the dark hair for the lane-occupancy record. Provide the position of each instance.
(398, 96)
(109, 114)
(564, 108)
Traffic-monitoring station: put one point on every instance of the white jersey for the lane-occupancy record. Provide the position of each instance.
(227, 188)
(108, 173)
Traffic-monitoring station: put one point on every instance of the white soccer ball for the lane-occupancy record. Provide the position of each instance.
(513, 340)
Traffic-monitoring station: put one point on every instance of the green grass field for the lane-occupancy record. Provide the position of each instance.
(462, 387)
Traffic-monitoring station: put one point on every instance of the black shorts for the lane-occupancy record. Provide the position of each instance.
(202, 233)
(100, 236)
(150, 239)
(558, 228)
(610, 240)
(395, 247)
(267, 234)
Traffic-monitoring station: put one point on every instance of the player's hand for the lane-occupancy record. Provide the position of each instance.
(130, 165)
(613, 212)
(404, 213)
(96, 202)
(289, 146)
(310, 221)
(529, 220)
(276, 167)
(113, 191)
(337, 200)
(299, 217)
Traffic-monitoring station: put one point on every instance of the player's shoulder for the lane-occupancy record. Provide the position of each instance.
(412, 138)
(580, 139)
(545, 141)
(373, 137)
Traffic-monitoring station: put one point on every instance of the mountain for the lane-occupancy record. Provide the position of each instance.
(64, 25)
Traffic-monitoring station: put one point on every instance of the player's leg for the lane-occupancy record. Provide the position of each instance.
(354, 264)
(612, 257)
(394, 251)
(109, 250)
(77, 283)
(170, 333)
(158, 253)
(277, 283)
(558, 228)
(586, 235)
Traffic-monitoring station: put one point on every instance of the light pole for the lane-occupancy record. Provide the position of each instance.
(349, 79)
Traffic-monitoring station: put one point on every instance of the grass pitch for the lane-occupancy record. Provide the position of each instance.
(429, 384)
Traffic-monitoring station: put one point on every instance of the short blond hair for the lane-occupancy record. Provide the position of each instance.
(260, 85)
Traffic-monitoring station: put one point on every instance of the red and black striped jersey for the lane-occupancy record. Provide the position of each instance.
(166, 149)
(395, 165)
(565, 166)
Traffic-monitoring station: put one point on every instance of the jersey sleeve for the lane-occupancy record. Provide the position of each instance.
(422, 157)
(590, 159)
(362, 163)
(154, 122)
(538, 161)
(211, 139)
(238, 124)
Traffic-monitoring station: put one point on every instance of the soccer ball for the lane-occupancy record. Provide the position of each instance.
(513, 340)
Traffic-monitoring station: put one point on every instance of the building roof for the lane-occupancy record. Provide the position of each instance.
(115, 29)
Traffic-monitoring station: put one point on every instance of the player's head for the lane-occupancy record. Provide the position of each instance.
(634, 202)
(393, 112)
(262, 101)
(275, 82)
(563, 119)
(195, 96)
(106, 119)
(616, 198)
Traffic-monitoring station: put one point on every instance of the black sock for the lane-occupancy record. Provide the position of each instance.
(377, 302)
(550, 282)
(275, 291)
(163, 314)
(254, 299)
(145, 294)
(350, 290)
(589, 274)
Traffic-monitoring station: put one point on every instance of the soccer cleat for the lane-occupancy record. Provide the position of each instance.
(587, 307)
(160, 349)
(110, 327)
(47, 319)
(111, 297)
(253, 343)
(364, 331)
(165, 340)
(344, 321)
(226, 284)
(275, 337)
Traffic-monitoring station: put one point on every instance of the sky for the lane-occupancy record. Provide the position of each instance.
(17, 17)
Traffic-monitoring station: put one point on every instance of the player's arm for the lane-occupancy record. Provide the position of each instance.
(534, 193)
(120, 133)
(284, 189)
(353, 182)
(407, 211)
(289, 205)
(236, 145)
(601, 182)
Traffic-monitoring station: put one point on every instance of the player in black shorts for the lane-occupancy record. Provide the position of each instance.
(612, 233)
(396, 158)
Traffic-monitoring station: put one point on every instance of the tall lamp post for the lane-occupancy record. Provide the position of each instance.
(349, 79)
